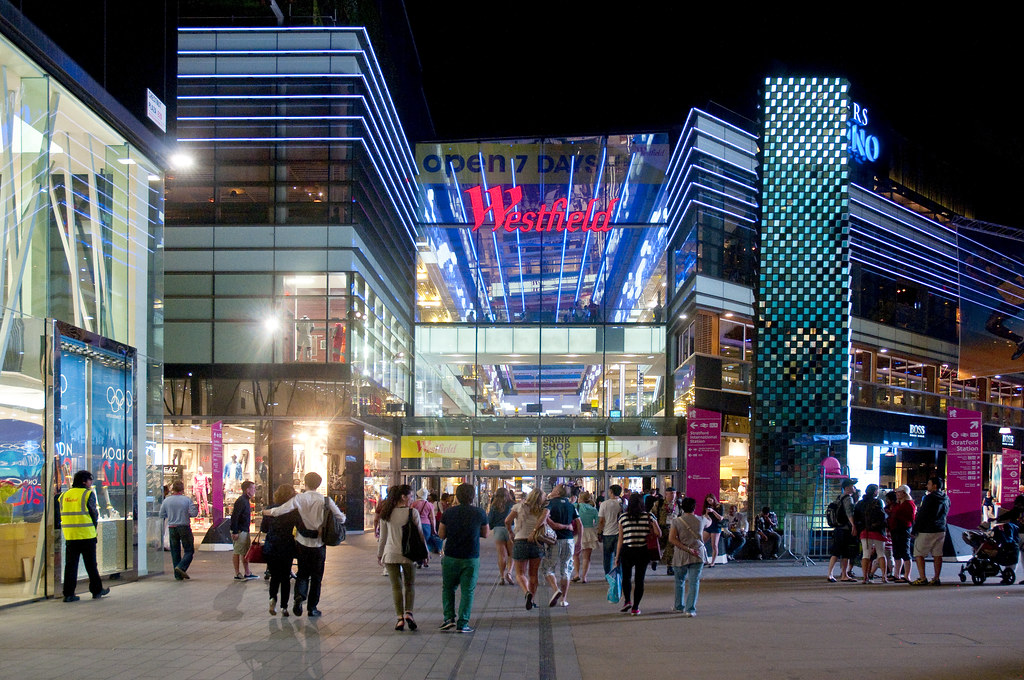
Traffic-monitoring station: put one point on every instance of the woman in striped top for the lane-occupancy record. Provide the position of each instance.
(634, 526)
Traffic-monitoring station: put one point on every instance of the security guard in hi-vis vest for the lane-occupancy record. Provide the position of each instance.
(79, 516)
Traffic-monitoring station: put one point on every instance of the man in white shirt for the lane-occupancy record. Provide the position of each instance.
(310, 550)
(608, 525)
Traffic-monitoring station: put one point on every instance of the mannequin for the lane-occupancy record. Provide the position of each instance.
(234, 472)
(261, 470)
(338, 343)
(304, 335)
(199, 483)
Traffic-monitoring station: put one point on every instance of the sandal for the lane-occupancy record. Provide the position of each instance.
(831, 579)
(401, 624)
(410, 620)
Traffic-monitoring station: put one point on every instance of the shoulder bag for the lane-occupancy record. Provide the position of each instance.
(413, 546)
(653, 543)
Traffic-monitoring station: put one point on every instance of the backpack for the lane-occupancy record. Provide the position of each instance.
(874, 516)
(835, 516)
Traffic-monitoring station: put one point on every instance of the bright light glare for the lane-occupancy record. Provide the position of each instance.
(271, 324)
(181, 161)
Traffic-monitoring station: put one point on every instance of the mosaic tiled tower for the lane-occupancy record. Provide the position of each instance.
(803, 365)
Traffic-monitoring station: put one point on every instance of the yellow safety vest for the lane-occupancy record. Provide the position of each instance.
(75, 520)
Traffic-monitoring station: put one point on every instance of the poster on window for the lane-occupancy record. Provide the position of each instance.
(963, 467)
(71, 437)
(112, 437)
(703, 453)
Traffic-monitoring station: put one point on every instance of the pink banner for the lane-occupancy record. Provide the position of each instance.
(703, 454)
(1009, 485)
(217, 470)
(963, 467)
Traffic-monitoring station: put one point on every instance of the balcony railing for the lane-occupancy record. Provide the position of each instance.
(889, 398)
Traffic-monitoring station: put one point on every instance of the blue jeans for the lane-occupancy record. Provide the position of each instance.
(691, 572)
(432, 540)
(609, 545)
(183, 547)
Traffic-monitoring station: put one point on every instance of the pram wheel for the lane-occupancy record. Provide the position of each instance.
(1009, 576)
(963, 577)
(977, 579)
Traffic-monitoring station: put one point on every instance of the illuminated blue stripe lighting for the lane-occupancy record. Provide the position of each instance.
(494, 239)
(519, 251)
(586, 242)
(481, 287)
(608, 242)
(565, 239)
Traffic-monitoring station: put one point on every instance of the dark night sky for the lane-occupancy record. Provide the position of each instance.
(950, 84)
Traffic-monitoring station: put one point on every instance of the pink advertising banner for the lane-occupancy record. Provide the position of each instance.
(217, 470)
(1009, 484)
(703, 453)
(963, 467)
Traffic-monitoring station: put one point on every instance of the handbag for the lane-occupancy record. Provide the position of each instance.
(653, 546)
(255, 552)
(544, 535)
(413, 546)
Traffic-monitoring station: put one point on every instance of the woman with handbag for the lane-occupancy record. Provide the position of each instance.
(635, 525)
(530, 518)
(396, 515)
(688, 557)
(588, 518)
(712, 525)
(279, 549)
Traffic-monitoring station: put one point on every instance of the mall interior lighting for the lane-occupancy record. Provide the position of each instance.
(182, 161)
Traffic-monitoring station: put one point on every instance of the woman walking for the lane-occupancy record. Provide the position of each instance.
(496, 514)
(526, 552)
(428, 523)
(631, 553)
(279, 549)
(712, 525)
(588, 518)
(394, 515)
(687, 558)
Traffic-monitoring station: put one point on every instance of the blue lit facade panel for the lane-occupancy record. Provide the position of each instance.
(802, 371)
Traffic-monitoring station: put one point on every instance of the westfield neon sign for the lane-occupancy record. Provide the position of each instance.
(556, 219)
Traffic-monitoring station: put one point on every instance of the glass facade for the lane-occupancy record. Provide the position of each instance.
(81, 244)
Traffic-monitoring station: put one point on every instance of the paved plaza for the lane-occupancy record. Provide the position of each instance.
(756, 620)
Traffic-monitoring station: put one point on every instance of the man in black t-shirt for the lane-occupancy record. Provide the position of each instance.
(461, 527)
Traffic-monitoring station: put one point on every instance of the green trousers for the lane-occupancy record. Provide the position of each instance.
(460, 573)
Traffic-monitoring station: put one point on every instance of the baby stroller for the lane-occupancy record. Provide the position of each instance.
(995, 552)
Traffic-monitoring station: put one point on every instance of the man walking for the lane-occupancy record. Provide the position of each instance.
(241, 519)
(79, 517)
(310, 550)
(178, 509)
(930, 530)
(668, 510)
(608, 525)
(557, 565)
(843, 545)
(461, 527)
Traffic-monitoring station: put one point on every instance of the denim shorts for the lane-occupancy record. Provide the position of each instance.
(523, 549)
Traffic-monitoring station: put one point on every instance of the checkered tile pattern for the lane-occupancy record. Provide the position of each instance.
(803, 364)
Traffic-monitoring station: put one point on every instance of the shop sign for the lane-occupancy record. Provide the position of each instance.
(1008, 439)
(557, 219)
(437, 447)
(917, 430)
(864, 147)
(1009, 483)
(963, 467)
(156, 110)
(703, 453)
(217, 469)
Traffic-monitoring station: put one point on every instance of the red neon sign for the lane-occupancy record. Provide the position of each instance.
(540, 220)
